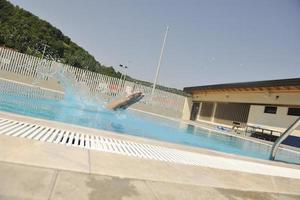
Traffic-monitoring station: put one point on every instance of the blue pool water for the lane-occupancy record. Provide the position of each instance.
(134, 123)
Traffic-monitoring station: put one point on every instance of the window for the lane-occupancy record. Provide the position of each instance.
(294, 111)
(270, 109)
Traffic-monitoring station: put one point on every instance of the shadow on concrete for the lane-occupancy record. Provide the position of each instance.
(111, 188)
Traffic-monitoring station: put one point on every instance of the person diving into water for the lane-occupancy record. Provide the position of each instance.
(124, 102)
(69, 82)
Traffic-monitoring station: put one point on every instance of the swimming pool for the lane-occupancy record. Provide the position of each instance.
(133, 123)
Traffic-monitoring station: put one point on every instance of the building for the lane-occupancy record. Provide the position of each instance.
(272, 105)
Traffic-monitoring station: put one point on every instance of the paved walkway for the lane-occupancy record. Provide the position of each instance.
(27, 182)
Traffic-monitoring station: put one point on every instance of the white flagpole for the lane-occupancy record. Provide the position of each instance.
(159, 62)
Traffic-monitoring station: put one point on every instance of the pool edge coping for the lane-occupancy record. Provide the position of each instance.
(236, 159)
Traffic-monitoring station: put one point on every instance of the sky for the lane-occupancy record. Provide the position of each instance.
(209, 41)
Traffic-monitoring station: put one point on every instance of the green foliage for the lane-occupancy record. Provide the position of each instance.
(25, 32)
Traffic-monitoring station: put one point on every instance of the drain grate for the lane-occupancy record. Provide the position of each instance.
(140, 150)
(105, 144)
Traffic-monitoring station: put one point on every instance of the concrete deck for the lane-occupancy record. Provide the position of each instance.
(31, 169)
(27, 182)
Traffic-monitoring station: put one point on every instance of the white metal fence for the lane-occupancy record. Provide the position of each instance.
(29, 66)
(12, 87)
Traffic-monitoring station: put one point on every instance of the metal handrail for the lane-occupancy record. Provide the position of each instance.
(283, 137)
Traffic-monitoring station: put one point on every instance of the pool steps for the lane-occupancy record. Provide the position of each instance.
(283, 137)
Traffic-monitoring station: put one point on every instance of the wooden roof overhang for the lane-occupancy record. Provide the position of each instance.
(273, 86)
(250, 90)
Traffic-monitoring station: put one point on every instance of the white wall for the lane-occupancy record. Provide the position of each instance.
(279, 120)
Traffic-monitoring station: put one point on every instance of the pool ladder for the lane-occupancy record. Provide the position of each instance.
(283, 137)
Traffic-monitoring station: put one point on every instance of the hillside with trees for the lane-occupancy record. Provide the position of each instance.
(27, 33)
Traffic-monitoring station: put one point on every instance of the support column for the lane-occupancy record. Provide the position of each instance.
(214, 112)
(187, 108)
(199, 111)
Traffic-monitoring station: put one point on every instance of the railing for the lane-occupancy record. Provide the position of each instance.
(283, 137)
(28, 66)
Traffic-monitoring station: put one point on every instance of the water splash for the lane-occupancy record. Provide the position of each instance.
(76, 93)
(78, 100)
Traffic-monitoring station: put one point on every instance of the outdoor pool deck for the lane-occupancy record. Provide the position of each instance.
(32, 169)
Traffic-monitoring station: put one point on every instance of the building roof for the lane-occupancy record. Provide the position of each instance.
(280, 84)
